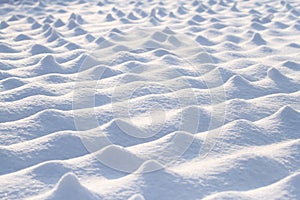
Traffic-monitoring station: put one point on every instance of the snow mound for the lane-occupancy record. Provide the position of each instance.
(137, 197)
(7, 49)
(39, 49)
(69, 187)
(258, 39)
(150, 166)
(118, 158)
(22, 37)
(285, 114)
(49, 65)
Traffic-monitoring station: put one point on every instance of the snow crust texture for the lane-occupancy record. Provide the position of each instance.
(150, 99)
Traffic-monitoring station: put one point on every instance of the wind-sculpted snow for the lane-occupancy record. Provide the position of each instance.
(149, 99)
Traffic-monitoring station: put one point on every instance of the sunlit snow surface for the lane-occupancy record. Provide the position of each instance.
(149, 99)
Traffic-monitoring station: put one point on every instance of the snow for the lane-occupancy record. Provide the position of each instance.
(70, 187)
(149, 99)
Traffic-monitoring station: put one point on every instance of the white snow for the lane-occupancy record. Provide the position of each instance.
(149, 99)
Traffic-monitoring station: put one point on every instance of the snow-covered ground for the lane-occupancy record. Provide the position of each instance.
(150, 99)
